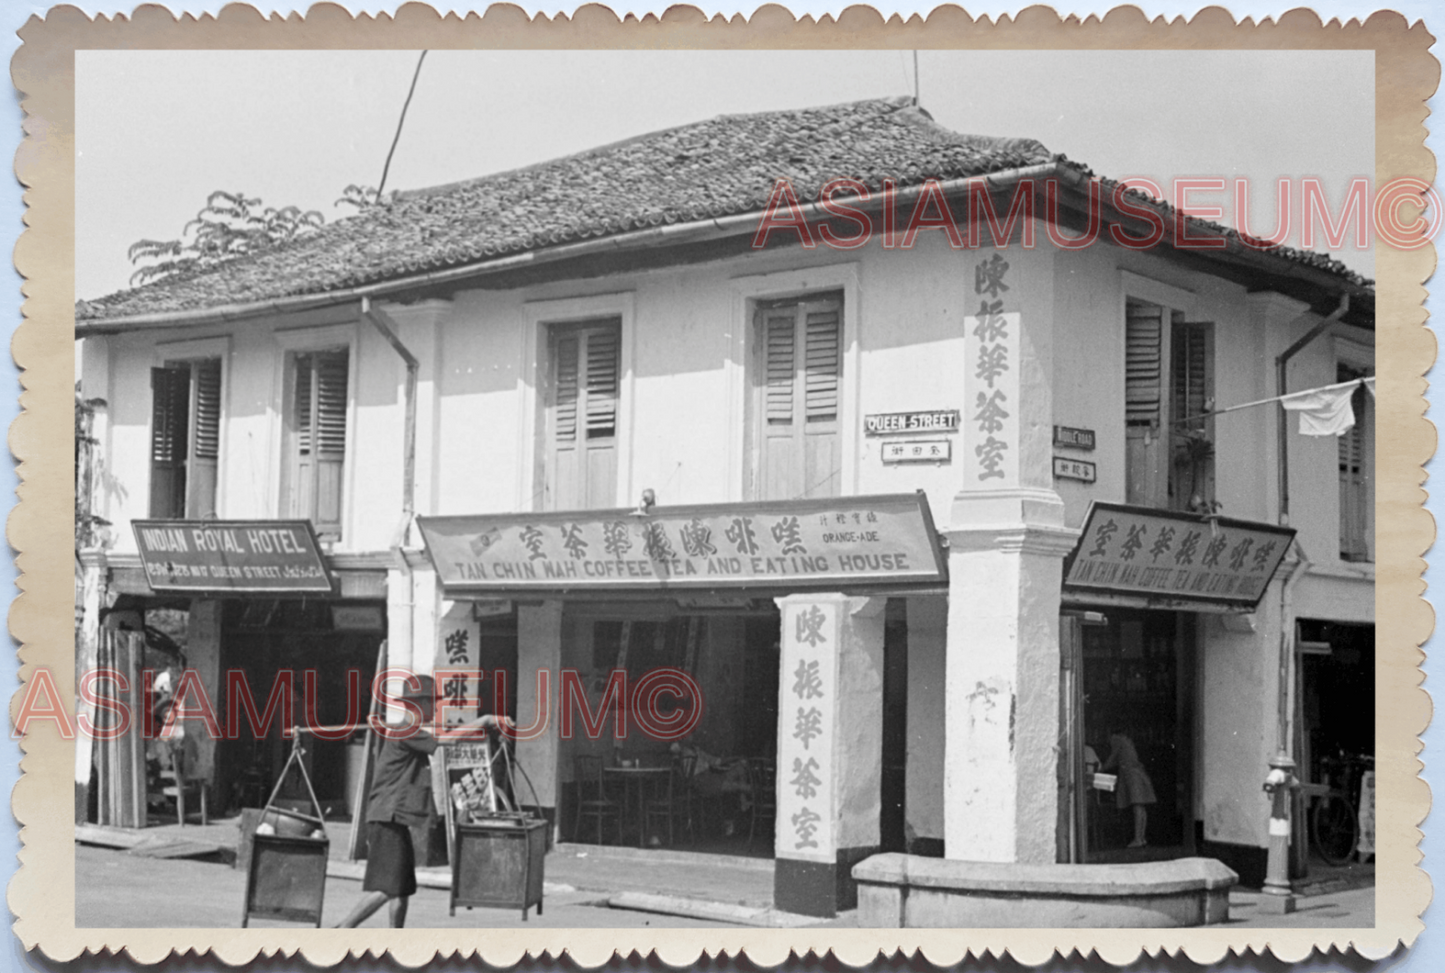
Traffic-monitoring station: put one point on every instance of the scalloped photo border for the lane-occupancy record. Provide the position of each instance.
(41, 893)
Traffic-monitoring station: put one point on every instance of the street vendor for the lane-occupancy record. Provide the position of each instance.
(401, 797)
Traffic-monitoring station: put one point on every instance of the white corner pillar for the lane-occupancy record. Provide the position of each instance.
(1002, 676)
(830, 749)
(1007, 541)
(539, 650)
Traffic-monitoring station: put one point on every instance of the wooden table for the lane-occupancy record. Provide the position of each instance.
(636, 779)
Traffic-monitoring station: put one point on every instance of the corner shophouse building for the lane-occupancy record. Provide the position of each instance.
(877, 459)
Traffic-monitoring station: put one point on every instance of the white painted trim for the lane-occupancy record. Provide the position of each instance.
(539, 314)
(293, 341)
(743, 457)
(1157, 292)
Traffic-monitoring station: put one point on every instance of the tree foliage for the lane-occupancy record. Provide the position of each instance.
(230, 225)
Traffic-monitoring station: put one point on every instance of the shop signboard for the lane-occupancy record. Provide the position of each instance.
(873, 540)
(1174, 559)
(232, 556)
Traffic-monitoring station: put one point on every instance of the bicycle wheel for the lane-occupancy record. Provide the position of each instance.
(1335, 829)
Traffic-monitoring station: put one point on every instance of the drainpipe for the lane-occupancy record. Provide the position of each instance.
(387, 325)
(1282, 782)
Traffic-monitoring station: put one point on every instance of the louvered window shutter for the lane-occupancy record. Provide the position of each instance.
(1190, 370)
(320, 406)
(331, 403)
(201, 467)
(564, 421)
(602, 346)
(1142, 366)
(584, 405)
(800, 364)
(170, 409)
(823, 361)
(1354, 474)
(208, 409)
(779, 345)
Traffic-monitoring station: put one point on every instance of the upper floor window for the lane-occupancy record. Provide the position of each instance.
(798, 366)
(185, 439)
(316, 440)
(582, 414)
(1357, 463)
(1169, 447)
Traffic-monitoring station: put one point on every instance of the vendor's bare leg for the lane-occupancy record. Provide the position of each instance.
(398, 911)
(369, 903)
(1141, 821)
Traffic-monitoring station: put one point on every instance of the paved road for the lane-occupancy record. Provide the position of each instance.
(114, 889)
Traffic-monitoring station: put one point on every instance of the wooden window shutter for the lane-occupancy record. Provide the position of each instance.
(1143, 347)
(319, 412)
(170, 412)
(208, 409)
(331, 403)
(564, 422)
(823, 359)
(779, 342)
(602, 364)
(1190, 372)
(1354, 473)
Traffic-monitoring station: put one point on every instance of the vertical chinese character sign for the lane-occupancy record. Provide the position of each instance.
(458, 655)
(807, 706)
(991, 379)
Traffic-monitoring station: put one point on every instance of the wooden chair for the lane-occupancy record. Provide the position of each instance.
(592, 799)
(762, 780)
(675, 800)
(176, 785)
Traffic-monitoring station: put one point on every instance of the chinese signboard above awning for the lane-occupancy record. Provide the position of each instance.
(262, 556)
(785, 544)
(1174, 559)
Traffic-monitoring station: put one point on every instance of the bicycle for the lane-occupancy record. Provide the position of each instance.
(1335, 816)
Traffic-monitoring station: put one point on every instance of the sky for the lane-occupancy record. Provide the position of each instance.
(157, 131)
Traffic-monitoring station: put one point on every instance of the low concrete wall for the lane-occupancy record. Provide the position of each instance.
(905, 890)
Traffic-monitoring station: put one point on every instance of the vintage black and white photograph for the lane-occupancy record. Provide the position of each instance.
(789, 489)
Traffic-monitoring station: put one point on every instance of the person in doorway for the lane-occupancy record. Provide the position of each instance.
(400, 797)
(1133, 789)
(723, 781)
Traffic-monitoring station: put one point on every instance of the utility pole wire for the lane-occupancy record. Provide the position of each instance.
(381, 187)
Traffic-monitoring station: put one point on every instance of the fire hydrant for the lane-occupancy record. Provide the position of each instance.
(1280, 785)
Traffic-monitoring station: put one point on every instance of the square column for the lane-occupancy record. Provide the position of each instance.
(1002, 675)
(539, 648)
(830, 749)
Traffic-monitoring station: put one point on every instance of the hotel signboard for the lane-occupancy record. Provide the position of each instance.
(874, 540)
(1174, 559)
(231, 556)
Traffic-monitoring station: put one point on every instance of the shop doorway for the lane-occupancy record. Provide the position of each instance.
(1126, 673)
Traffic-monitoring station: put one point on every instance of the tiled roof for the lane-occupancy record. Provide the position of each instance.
(725, 166)
(721, 167)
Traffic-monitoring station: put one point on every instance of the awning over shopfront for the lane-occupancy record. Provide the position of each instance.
(274, 557)
(1165, 559)
(834, 543)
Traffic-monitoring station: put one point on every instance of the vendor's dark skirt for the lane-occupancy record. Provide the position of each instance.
(390, 861)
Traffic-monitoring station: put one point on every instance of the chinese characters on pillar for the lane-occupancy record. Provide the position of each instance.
(458, 658)
(806, 731)
(991, 348)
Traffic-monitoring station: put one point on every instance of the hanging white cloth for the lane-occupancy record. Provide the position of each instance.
(1323, 411)
(1370, 384)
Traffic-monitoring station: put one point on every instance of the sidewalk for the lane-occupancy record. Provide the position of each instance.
(586, 886)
